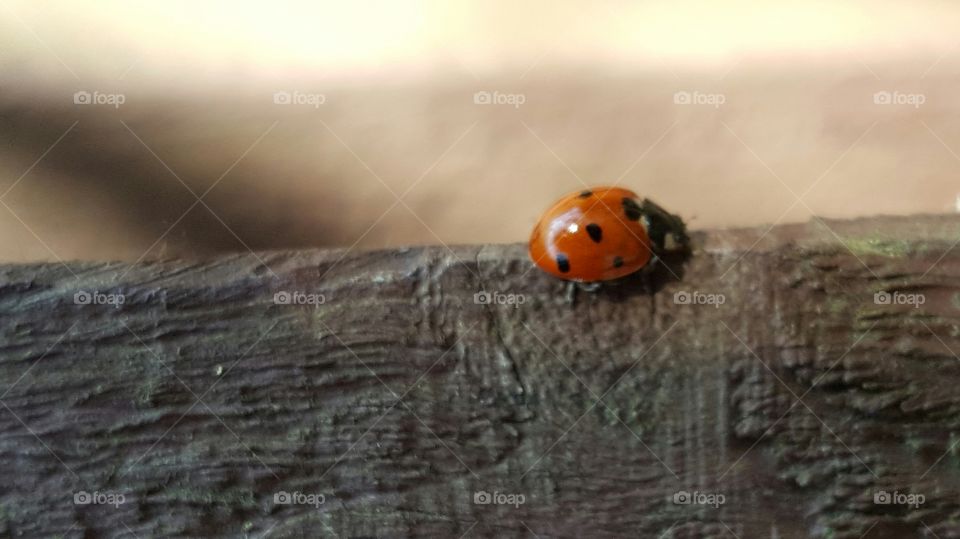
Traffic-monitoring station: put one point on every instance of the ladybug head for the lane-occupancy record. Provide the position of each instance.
(667, 232)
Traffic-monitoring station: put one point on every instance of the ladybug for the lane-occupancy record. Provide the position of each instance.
(604, 233)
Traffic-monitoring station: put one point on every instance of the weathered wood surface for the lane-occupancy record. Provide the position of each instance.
(798, 399)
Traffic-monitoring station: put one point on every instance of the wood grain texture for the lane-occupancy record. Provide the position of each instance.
(399, 397)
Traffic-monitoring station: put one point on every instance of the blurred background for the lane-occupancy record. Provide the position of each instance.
(141, 130)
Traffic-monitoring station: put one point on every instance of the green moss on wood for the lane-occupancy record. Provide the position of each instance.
(879, 247)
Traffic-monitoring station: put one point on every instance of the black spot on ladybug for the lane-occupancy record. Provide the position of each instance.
(563, 263)
(617, 261)
(585, 194)
(595, 232)
(631, 209)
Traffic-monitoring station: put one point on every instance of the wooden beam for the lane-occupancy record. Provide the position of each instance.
(789, 380)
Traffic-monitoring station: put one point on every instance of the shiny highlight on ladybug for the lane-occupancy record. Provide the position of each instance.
(604, 233)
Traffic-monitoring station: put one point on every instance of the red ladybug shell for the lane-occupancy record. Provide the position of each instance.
(592, 235)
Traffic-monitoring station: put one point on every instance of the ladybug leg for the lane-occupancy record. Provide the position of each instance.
(574, 286)
(589, 287)
(651, 265)
(571, 295)
(646, 278)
